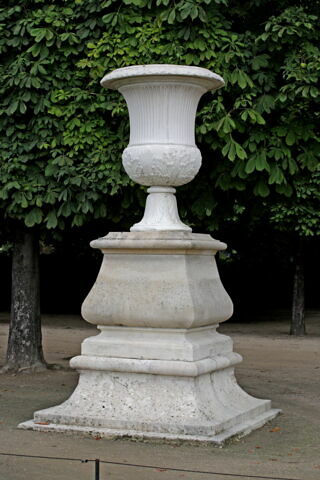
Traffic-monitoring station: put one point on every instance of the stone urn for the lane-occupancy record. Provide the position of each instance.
(162, 154)
(158, 368)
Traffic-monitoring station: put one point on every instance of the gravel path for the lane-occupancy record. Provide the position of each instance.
(275, 366)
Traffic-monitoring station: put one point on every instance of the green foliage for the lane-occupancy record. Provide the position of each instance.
(62, 135)
(57, 159)
(302, 214)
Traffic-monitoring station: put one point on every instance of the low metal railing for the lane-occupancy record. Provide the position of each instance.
(97, 462)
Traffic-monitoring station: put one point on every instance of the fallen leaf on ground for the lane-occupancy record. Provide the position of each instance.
(161, 469)
(42, 423)
(275, 429)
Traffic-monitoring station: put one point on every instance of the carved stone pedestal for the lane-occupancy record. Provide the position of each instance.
(158, 368)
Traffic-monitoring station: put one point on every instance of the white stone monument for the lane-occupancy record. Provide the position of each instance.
(159, 368)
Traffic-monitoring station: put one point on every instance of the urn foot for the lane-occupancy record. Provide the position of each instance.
(161, 212)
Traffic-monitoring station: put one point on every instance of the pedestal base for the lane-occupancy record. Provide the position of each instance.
(142, 378)
(238, 430)
(188, 393)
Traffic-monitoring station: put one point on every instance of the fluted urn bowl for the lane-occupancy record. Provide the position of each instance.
(162, 102)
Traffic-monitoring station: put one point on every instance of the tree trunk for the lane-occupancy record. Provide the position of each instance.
(297, 320)
(25, 339)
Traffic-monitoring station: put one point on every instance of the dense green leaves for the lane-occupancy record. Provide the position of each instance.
(62, 135)
(57, 159)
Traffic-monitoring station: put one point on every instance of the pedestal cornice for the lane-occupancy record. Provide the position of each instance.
(157, 242)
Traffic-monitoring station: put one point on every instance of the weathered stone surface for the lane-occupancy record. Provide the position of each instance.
(158, 368)
(156, 280)
(162, 102)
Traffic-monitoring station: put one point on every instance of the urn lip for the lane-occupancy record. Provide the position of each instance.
(157, 72)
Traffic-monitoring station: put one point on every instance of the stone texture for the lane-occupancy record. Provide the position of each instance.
(162, 102)
(161, 165)
(158, 368)
(161, 212)
(156, 280)
(202, 76)
(142, 403)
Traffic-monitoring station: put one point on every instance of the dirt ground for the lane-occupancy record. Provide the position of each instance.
(275, 366)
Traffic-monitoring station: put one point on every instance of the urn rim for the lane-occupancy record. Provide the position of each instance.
(157, 72)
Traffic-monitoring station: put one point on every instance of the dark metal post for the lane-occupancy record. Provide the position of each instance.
(97, 469)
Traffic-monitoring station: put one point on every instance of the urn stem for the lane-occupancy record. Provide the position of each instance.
(161, 211)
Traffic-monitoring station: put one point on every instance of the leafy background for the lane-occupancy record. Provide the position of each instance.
(62, 135)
